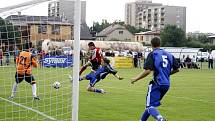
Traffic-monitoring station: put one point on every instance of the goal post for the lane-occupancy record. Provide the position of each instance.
(76, 68)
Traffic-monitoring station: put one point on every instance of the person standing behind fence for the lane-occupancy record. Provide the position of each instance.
(210, 60)
(7, 55)
(1, 57)
(140, 58)
(16, 54)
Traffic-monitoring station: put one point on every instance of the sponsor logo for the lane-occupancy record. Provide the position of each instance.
(55, 60)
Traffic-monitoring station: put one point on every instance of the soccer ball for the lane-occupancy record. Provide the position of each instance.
(56, 85)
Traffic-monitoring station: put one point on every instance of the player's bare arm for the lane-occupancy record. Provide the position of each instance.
(174, 71)
(118, 77)
(140, 76)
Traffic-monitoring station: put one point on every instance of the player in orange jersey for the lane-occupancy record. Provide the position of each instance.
(24, 63)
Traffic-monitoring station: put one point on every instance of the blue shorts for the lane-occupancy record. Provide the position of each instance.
(155, 94)
(92, 78)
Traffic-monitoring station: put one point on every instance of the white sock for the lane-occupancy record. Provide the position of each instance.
(34, 90)
(14, 88)
(159, 117)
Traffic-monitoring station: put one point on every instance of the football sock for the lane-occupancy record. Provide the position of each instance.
(155, 113)
(98, 90)
(145, 115)
(34, 90)
(82, 69)
(14, 88)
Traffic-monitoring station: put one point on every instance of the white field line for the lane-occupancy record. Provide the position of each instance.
(28, 108)
(179, 97)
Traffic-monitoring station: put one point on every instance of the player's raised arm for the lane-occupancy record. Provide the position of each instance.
(34, 62)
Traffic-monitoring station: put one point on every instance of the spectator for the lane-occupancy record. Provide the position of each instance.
(7, 55)
(135, 59)
(16, 54)
(194, 64)
(182, 62)
(1, 57)
(139, 58)
(42, 54)
(210, 60)
(188, 61)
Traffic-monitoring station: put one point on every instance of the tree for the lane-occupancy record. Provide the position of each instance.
(134, 30)
(96, 28)
(172, 36)
(9, 34)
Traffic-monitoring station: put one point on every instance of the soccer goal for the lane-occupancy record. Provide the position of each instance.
(41, 93)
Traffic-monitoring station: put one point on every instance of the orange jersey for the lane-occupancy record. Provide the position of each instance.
(24, 63)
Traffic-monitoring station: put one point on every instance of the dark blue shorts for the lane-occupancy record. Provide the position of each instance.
(155, 94)
(92, 78)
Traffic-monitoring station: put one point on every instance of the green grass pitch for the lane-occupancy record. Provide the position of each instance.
(190, 98)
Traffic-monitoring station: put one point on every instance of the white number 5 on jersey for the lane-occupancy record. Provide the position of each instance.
(165, 61)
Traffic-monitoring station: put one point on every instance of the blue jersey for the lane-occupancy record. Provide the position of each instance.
(101, 73)
(162, 63)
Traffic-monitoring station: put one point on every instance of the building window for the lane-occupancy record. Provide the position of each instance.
(55, 29)
(137, 38)
(42, 29)
(120, 32)
(141, 38)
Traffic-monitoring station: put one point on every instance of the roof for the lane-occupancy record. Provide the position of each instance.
(24, 20)
(212, 36)
(110, 29)
(156, 32)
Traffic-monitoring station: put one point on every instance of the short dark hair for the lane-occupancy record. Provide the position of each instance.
(91, 44)
(156, 42)
(106, 60)
(27, 45)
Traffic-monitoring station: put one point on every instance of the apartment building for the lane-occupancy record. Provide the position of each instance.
(133, 9)
(157, 17)
(65, 9)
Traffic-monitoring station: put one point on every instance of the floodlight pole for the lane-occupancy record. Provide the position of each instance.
(76, 61)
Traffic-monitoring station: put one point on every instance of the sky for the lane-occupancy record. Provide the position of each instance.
(200, 14)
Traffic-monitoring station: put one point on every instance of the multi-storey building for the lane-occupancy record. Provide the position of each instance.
(39, 28)
(65, 9)
(133, 9)
(157, 17)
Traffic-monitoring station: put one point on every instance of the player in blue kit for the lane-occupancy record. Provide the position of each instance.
(100, 74)
(163, 64)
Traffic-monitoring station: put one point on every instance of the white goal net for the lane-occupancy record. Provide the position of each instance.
(47, 96)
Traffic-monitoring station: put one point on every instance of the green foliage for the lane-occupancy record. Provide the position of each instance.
(8, 32)
(97, 27)
(134, 30)
(172, 36)
(200, 41)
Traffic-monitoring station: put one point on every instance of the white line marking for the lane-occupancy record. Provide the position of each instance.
(28, 108)
(186, 98)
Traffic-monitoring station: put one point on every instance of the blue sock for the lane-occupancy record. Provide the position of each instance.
(155, 113)
(145, 115)
(98, 90)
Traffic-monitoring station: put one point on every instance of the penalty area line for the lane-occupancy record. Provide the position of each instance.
(28, 108)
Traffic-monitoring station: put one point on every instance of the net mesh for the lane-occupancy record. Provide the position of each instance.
(47, 35)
